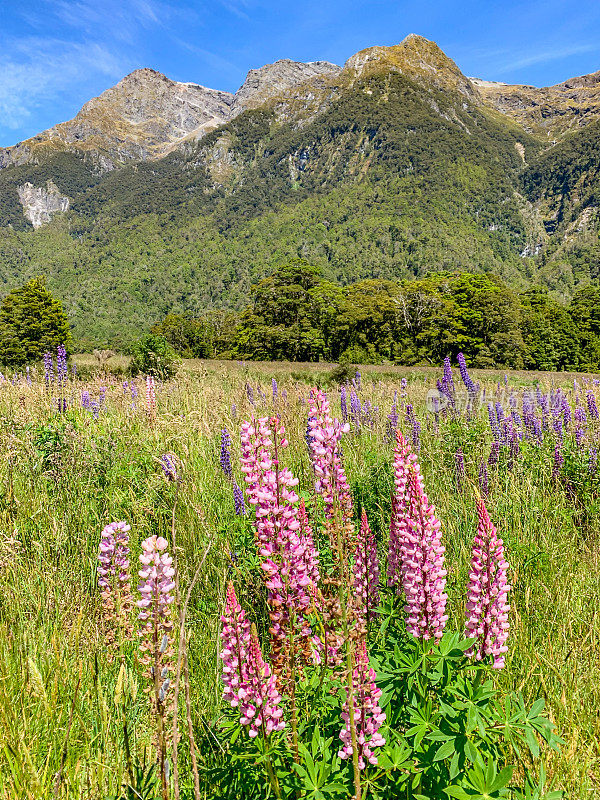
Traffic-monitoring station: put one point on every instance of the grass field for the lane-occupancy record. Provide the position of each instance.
(64, 476)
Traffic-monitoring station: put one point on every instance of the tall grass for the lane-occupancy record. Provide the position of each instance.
(64, 476)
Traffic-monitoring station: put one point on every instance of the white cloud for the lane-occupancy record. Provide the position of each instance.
(545, 56)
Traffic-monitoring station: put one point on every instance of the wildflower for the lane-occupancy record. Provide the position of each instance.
(61, 364)
(271, 490)
(367, 714)
(471, 387)
(404, 458)
(392, 420)
(155, 615)
(114, 578)
(225, 456)
(238, 500)
(355, 407)
(235, 638)
(393, 560)
(487, 607)
(559, 460)
(260, 708)
(591, 404)
(494, 454)
(366, 572)
(250, 393)
(415, 425)
(493, 421)
(169, 467)
(446, 385)
(326, 433)
(275, 388)
(592, 460)
(344, 403)
(424, 576)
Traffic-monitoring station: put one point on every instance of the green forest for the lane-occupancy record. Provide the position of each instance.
(298, 315)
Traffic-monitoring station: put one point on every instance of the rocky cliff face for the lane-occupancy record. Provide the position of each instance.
(274, 80)
(142, 117)
(40, 204)
(550, 111)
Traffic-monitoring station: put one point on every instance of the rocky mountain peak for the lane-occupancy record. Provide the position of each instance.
(417, 58)
(273, 80)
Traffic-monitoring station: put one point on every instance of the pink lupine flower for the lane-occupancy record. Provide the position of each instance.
(236, 642)
(150, 398)
(404, 460)
(368, 716)
(487, 607)
(290, 561)
(260, 707)
(325, 435)
(423, 573)
(366, 572)
(114, 578)
(155, 614)
(311, 554)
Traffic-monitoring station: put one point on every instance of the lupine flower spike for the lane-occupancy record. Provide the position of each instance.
(114, 581)
(424, 576)
(366, 573)
(368, 716)
(487, 606)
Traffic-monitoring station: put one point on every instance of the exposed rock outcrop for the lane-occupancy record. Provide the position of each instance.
(40, 204)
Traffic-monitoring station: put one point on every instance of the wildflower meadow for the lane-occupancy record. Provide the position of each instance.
(276, 581)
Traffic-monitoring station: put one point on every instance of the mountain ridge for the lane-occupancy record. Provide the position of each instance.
(391, 166)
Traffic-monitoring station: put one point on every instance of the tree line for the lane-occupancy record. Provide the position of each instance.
(297, 315)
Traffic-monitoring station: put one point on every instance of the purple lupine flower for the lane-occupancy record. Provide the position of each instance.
(592, 460)
(591, 404)
(355, 407)
(95, 409)
(102, 397)
(459, 466)
(284, 396)
(225, 456)
(493, 421)
(238, 500)
(358, 380)
(233, 411)
(366, 572)
(559, 460)
(471, 387)
(61, 363)
(415, 427)
(494, 454)
(484, 486)
(566, 411)
(275, 388)
(579, 437)
(367, 714)
(344, 403)
(446, 385)
(134, 391)
(125, 387)
(85, 399)
(263, 396)
(169, 467)
(28, 376)
(250, 393)
(487, 606)
(423, 573)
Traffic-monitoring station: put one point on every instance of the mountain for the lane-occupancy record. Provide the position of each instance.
(161, 196)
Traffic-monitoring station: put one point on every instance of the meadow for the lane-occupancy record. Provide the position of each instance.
(85, 450)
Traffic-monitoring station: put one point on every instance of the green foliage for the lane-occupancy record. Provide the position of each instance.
(154, 356)
(31, 323)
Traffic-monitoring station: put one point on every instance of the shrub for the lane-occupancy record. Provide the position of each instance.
(154, 356)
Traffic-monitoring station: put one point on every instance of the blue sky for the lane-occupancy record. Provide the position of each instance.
(56, 54)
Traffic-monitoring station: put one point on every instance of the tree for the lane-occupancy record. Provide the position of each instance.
(32, 322)
(282, 320)
(153, 355)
